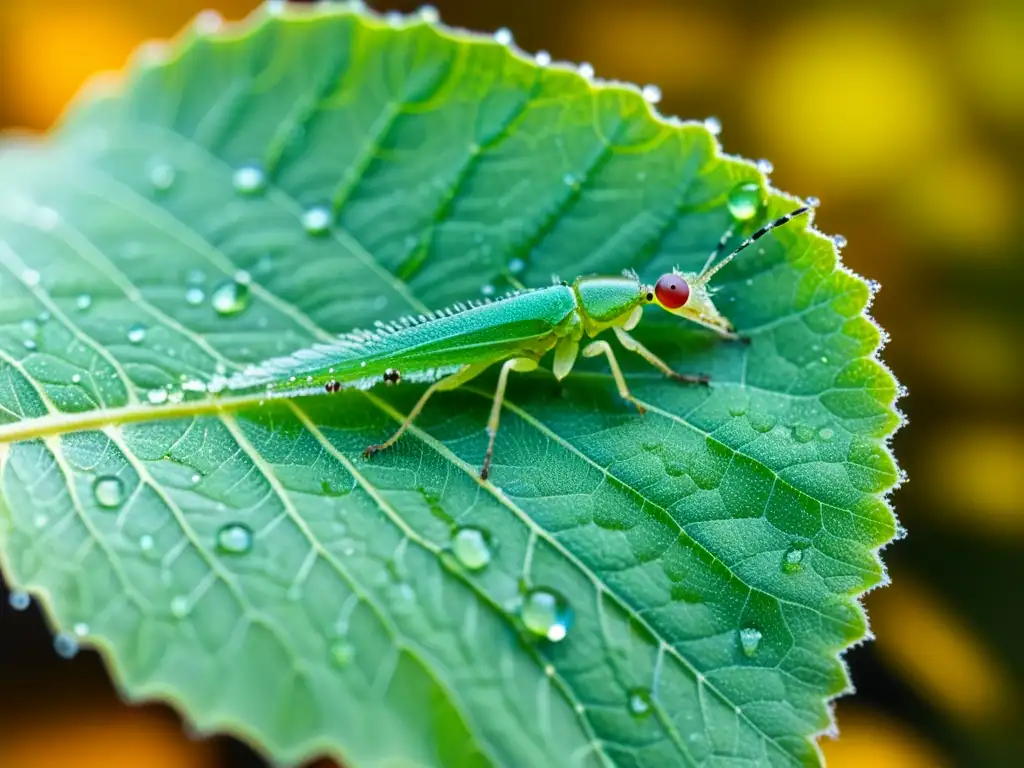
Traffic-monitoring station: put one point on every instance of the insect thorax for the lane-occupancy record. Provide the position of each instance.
(605, 301)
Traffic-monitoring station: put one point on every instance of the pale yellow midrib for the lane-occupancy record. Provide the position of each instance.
(63, 423)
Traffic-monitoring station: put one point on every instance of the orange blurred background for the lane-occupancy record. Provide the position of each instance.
(905, 117)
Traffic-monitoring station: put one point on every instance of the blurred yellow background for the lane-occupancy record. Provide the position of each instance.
(906, 118)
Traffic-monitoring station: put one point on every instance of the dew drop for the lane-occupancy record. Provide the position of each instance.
(750, 639)
(76, 378)
(765, 166)
(249, 180)
(317, 221)
(586, 70)
(179, 606)
(137, 334)
(543, 58)
(194, 296)
(745, 200)
(546, 614)
(81, 629)
(826, 433)
(802, 434)
(503, 36)
(41, 521)
(793, 559)
(571, 181)
(196, 477)
(342, 654)
(83, 302)
(65, 645)
(839, 241)
(639, 702)
(157, 396)
(30, 277)
(472, 548)
(812, 202)
(29, 327)
(207, 22)
(19, 601)
(146, 543)
(161, 176)
(713, 125)
(234, 539)
(429, 14)
(108, 491)
(487, 290)
(516, 266)
(675, 469)
(651, 94)
(230, 297)
(29, 344)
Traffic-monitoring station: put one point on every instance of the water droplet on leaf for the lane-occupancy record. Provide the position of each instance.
(179, 606)
(342, 654)
(745, 200)
(81, 629)
(802, 434)
(839, 241)
(503, 36)
(546, 614)
(137, 334)
(65, 645)
(249, 179)
(639, 702)
(793, 559)
(750, 639)
(651, 94)
(234, 539)
(765, 166)
(108, 491)
(146, 543)
(157, 396)
(516, 266)
(543, 58)
(19, 601)
(472, 548)
(194, 296)
(317, 221)
(230, 297)
(714, 125)
(161, 176)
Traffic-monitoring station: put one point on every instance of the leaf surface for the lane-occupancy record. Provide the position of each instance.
(245, 562)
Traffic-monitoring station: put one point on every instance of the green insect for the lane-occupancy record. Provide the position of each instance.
(451, 347)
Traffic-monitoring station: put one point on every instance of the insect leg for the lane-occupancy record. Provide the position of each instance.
(635, 346)
(457, 379)
(595, 348)
(521, 364)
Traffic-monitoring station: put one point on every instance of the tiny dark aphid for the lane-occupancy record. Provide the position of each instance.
(332, 386)
(392, 376)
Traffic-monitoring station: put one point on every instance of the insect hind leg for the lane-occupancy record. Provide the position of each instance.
(595, 348)
(521, 364)
(453, 381)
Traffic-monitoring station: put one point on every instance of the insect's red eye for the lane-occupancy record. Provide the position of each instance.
(672, 291)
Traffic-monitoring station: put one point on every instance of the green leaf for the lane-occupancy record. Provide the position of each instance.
(245, 562)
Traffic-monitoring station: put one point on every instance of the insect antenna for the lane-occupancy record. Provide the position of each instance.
(708, 272)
